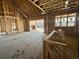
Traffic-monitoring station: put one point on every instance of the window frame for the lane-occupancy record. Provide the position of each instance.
(66, 22)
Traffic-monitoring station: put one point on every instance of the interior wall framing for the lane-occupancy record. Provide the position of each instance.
(50, 22)
(10, 15)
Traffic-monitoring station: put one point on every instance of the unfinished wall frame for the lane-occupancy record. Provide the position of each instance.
(11, 20)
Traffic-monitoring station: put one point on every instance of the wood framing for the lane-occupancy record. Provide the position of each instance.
(55, 48)
(11, 20)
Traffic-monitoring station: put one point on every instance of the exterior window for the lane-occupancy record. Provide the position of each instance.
(64, 22)
(40, 25)
(71, 21)
(57, 22)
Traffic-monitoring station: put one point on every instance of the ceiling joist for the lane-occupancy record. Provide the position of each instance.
(35, 0)
(37, 6)
(45, 3)
(58, 4)
(31, 8)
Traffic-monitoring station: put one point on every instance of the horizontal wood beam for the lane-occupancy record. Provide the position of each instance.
(54, 42)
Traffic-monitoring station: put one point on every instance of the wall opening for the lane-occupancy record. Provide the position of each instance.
(37, 25)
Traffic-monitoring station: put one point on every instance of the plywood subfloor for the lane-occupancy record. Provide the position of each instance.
(26, 45)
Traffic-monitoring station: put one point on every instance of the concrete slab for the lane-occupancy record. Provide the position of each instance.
(25, 45)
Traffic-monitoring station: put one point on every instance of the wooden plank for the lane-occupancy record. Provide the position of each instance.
(37, 6)
(54, 42)
(4, 26)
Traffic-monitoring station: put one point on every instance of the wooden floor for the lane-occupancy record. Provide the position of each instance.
(26, 45)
